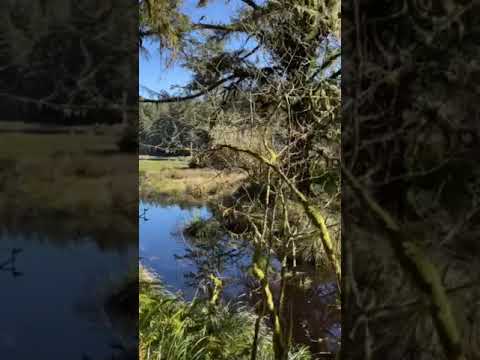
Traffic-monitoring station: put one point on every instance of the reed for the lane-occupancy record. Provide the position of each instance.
(173, 329)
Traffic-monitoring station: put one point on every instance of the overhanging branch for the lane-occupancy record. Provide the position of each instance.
(216, 27)
(252, 4)
(311, 210)
(189, 97)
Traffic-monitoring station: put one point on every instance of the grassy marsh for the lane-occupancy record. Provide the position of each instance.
(173, 180)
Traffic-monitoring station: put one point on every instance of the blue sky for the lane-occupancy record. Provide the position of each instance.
(153, 73)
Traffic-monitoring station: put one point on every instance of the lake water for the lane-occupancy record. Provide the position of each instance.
(177, 260)
(53, 299)
(160, 242)
(181, 264)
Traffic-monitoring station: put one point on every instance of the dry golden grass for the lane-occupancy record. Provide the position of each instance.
(173, 180)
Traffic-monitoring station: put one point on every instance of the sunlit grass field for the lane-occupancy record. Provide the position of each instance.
(172, 179)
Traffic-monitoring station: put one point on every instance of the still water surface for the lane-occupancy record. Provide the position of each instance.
(165, 251)
(53, 299)
(177, 260)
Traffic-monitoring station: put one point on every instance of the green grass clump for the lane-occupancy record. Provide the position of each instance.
(204, 228)
(172, 329)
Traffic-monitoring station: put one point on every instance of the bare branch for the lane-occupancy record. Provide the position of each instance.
(189, 97)
(251, 3)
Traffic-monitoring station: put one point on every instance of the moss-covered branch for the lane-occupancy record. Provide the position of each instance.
(427, 273)
(312, 211)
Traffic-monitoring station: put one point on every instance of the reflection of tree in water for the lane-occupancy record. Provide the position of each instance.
(310, 309)
(118, 353)
(310, 299)
(74, 233)
(220, 255)
(9, 263)
(314, 315)
(118, 308)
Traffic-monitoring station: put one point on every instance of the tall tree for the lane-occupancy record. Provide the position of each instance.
(272, 68)
(283, 61)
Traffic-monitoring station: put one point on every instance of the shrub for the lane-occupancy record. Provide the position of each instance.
(219, 159)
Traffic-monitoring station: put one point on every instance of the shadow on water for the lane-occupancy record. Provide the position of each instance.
(184, 263)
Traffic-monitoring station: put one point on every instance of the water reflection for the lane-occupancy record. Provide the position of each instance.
(223, 256)
(310, 309)
(184, 264)
(160, 249)
(9, 263)
(57, 308)
(114, 235)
